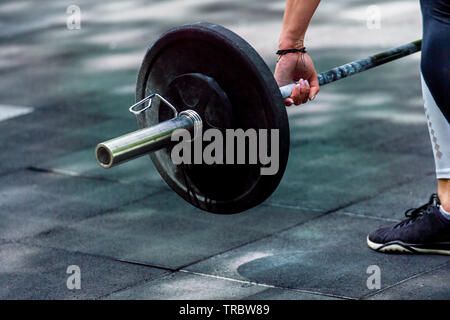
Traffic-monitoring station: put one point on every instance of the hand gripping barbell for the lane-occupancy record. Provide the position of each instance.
(205, 76)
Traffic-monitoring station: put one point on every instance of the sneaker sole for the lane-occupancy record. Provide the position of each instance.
(400, 247)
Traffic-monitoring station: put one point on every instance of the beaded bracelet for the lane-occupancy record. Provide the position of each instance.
(282, 52)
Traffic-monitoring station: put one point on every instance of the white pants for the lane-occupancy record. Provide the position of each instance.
(439, 130)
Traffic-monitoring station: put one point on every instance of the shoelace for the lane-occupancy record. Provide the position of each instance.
(414, 213)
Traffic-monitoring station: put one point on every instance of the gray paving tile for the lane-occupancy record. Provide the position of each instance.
(165, 230)
(30, 272)
(140, 170)
(327, 255)
(34, 146)
(26, 148)
(430, 286)
(186, 286)
(285, 294)
(149, 236)
(415, 140)
(52, 116)
(105, 130)
(396, 127)
(32, 202)
(393, 203)
(395, 172)
(103, 102)
(264, 218)
(339, 180)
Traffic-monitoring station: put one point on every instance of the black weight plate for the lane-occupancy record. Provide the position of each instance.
(256, 102)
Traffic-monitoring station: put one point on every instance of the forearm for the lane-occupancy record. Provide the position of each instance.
(297, 15)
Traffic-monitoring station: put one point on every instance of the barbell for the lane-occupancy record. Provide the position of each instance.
(205, 76)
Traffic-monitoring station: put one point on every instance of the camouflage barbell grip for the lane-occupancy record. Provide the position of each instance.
(361, 65)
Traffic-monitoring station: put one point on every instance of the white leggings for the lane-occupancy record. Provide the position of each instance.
(439, 129)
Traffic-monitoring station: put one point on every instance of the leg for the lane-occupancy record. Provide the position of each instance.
(444, 193)
(427, 228)
(439, 130)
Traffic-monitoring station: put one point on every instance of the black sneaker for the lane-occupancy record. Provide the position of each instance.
(425, 230)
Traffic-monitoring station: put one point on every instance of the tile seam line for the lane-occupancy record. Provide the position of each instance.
(76, 252)
(349, 213)
(248, 242)
(401, 184)
(13, 171)
(438, 267)
(268, 204)
(231, 280)
(101, 213)
(260, 284)
(106, 257)
(26, 241)
(89, 177)
(271, 234)
(70, 173)
(282, 230)
(102, 297)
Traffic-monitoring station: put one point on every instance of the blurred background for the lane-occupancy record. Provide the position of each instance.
(76, 68)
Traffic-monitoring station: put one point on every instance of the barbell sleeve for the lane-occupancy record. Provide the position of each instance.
(358, 66)
(141, 142)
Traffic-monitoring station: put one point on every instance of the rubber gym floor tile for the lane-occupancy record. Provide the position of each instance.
(164, 230)
(25, 211)
(393, 203)
(82, 162)
(33, 202)
(264, 218)
(428, 286)
(186, 286)
(345, 131)
(32, 147)
(106, 130)
(74, 187)
(315, 189)
(31, 272)
(412, 143)
(327, 255)
(288, 294)
(56, 118)
(388, 177)
(149, 237)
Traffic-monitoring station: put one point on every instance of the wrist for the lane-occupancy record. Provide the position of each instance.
(290, 43)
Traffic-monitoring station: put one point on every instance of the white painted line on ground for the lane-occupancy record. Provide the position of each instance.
(9, 111)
